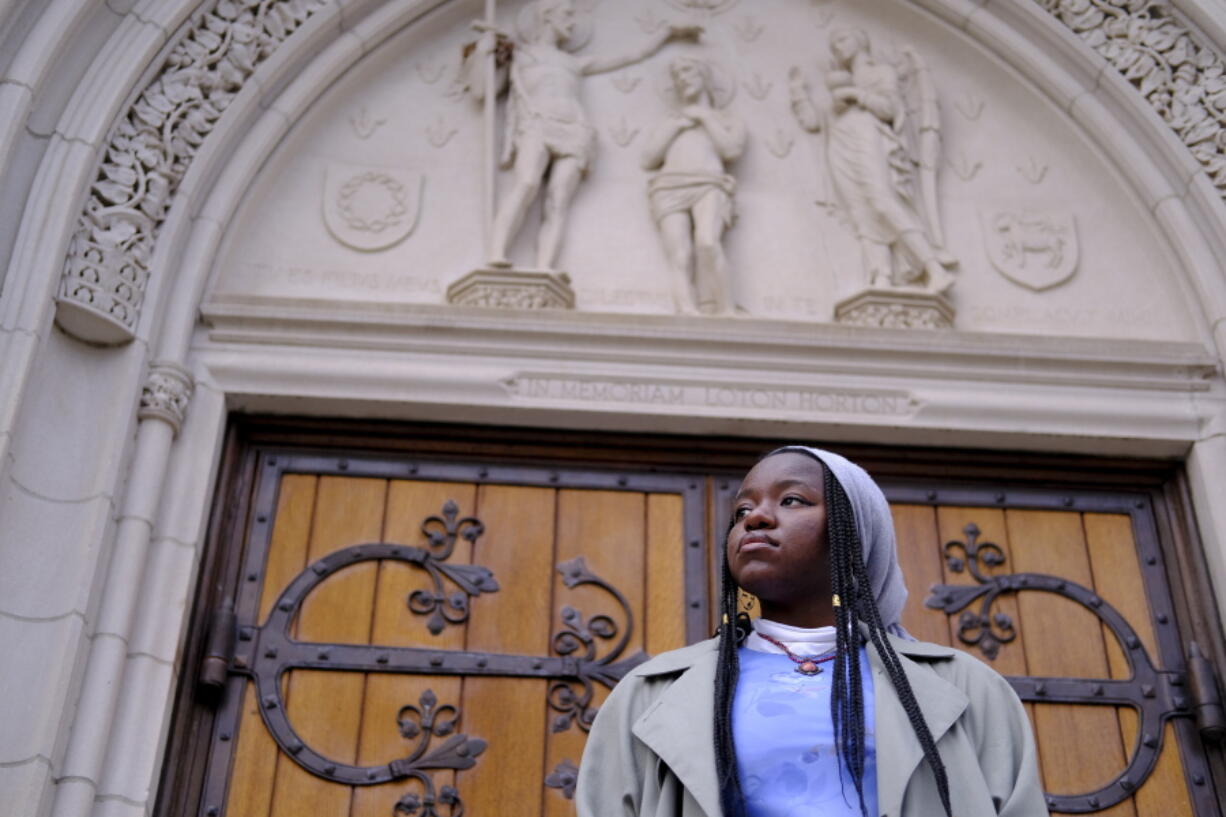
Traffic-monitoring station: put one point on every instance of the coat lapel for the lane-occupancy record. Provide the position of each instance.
(942, 703)
(679, 729)
(678, 726)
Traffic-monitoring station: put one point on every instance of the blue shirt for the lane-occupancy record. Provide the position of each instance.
(786, 756)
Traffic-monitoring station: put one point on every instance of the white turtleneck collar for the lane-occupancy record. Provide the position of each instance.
(800, 640)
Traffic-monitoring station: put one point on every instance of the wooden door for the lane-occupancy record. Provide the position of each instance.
(1065, 594)
(429, 638)
(415, 637)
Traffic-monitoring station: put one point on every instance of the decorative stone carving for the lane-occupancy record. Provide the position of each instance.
(883, 159)
(370, 208)
(548, 140)
(896, 308)
(429, 71)
(1033, 170)
(166, 393)
(691, 194)
(626, 84)
(1035, 250)
(364, 125)
(749, 29)
(970, 106)
(622, 134)
(440, 132)
(1180, 75)
(759, 88)
(704, 6)
(513, 289)
(779, 143)
(148, 152)
(963, 167)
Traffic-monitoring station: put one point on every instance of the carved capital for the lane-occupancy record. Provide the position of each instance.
(149, 151)
(166, 393)
(896, 309)
(513, 289)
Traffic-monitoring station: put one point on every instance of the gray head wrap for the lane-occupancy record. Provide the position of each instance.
(875, 526)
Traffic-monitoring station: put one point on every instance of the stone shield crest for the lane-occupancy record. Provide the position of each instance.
(1036, 250)
(371, 208)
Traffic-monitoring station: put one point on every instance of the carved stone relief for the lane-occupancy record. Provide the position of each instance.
(364, 125)
(512, 289)
(166, 394)
(882, 160)
(148, 152)
(370, 208)
(1035, 250)
(704, 6)
(691, 194)
(574, 183)
(548, 141)
(896, 308)
(1181, 76)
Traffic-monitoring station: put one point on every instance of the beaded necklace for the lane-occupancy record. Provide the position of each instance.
(805, 666)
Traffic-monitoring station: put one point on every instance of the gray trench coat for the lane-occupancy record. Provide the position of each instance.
(651, 750)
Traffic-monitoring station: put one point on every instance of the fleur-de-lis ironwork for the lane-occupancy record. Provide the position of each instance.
(574, 706)
(441, 533)
(564, 777)
(423, 722)
(1156, 694)
(984, 629)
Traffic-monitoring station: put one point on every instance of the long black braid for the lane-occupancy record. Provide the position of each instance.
(854, 606)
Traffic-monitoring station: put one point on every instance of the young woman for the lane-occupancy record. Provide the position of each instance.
(826, 706)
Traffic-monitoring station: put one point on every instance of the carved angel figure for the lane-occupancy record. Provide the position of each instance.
(691, 193)
(548, 139)
(882, 158)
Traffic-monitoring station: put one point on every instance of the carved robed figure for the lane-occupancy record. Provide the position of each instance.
(882, 159)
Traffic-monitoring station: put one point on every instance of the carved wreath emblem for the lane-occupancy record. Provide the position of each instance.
(372, 202)
(371, 208)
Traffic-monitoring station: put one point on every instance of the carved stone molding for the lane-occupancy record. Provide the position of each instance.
(895, 308)
(1181, 76)
(150, 150)
(166, 393)
(513, 289)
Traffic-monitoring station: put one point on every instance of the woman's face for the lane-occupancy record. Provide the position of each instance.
(777, 548)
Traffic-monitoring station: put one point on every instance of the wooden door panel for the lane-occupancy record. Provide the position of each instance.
(532, 728)
(1081, 747)
(919, 554)
(257, 755)
(1062, 638)
(510, 713)
(665, 580)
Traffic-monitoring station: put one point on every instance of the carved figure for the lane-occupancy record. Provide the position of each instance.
(882, 159)
(691, 195)
(548, 140)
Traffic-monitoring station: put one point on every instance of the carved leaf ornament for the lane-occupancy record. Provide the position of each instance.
(1183, 79)
(150, 150)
